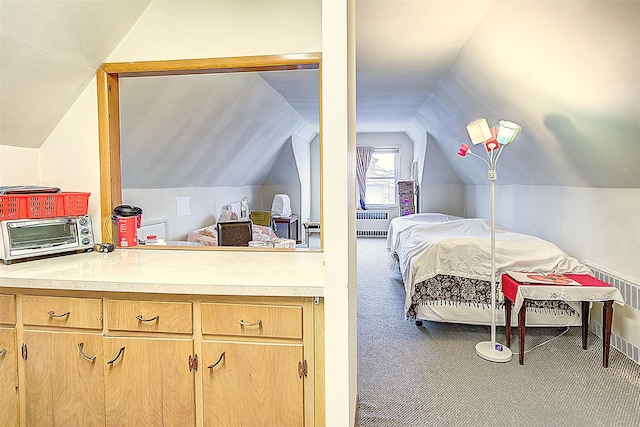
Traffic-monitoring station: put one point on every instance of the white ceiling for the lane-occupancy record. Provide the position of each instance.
(567, 71)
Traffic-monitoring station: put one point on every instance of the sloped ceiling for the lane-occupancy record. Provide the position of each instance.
(222, 128)
(567, 71)
(49, 52)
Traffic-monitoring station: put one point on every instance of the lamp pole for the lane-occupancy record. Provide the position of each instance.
(494, 141)
(492, 350)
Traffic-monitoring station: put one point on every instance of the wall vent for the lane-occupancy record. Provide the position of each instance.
(372, 223)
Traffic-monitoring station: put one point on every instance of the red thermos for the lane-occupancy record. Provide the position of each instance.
(128, 220)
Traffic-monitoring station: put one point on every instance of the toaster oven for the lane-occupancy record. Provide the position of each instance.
(28, 238)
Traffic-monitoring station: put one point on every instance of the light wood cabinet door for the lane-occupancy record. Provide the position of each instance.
(9, 399)
(64, 375)
(7, 309)
(149, 383)
(254, 384)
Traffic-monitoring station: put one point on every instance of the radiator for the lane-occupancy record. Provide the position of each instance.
(372, 223)
(630, 291)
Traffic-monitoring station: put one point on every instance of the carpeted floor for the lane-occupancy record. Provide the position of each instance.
(431, 375)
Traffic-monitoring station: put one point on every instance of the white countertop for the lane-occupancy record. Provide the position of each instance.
(255, 273)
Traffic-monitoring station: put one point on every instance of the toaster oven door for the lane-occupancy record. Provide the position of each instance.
(42, 235)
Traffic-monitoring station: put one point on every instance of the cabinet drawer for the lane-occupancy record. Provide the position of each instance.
(7, 309)
(149, 316)
(252, 320)
(62, 311)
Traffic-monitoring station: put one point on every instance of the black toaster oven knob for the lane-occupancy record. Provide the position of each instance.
(86, 241)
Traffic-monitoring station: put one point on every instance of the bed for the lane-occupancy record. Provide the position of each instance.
(445, 264)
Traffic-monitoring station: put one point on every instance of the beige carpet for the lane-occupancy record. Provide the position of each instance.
(431, 375)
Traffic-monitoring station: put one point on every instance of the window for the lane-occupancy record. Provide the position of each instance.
(382, 177)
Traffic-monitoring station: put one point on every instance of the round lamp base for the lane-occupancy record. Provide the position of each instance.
(489, 352)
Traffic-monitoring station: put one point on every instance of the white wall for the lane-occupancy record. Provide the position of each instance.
(597, 224)
(338, 210)
(441, 189)
(314, 209)
(19, 166)
(302, 154)
(70, 158)
(284, 178)
(205, 206)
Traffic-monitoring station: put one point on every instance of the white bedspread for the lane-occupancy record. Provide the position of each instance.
(401, 223)
(463, 248)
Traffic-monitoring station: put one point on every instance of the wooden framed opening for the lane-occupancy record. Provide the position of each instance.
(108, 76)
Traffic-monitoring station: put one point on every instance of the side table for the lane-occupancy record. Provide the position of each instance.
(518, 293)
(291, 223)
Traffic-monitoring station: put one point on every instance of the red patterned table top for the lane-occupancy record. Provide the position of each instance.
(591, 289)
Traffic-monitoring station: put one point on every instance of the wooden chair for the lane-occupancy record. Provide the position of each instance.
(235, 233)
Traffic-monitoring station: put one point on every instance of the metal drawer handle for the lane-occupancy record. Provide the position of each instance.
(243, 323)
(141, 319)
(3, 351)
(117, 356)
(52, 313)
(213, 365)
(86, 356)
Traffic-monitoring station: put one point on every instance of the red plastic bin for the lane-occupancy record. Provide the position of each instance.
(43, 205)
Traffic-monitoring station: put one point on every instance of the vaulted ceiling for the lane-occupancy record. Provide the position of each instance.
(567, 71)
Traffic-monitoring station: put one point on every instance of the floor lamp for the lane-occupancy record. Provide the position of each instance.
(494, 141)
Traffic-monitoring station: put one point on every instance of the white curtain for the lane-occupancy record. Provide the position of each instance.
(363, 158)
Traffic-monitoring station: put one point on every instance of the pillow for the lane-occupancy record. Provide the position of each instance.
(210, 231)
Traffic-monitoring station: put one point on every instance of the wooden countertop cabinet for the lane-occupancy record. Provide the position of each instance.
(112, 359)
(256, 357)
(61, 359)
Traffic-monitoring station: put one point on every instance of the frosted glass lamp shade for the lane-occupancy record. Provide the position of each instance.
(479, 131)
(507, 131)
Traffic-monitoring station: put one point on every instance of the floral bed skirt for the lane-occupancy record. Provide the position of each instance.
(452, 290)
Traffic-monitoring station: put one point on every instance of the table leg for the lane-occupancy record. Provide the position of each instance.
(522, 329)
(607, 316)
(507, 320)
(585, 323)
